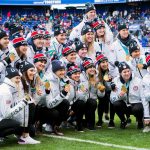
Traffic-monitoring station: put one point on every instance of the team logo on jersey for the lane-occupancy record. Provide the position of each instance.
(135, 88)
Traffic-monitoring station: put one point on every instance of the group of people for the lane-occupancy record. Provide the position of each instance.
(53, 80)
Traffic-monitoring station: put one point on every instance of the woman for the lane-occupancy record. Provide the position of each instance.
(105, 79)
(20, 50)
(95, 89)
(13, 112)
(78, 95)
(57, 100)
(126, 95)
(5, 57)
(88, 38)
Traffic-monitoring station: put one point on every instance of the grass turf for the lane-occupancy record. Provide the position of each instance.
(128, 137)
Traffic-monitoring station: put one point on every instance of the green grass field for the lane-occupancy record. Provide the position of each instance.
(128, 137)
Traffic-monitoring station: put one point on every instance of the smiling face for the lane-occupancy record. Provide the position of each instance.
(39, 42)
(104, 65)
(4, 42)
(91, 15)
(23, 49)
(100, 32)
(91, 71)
(60, 73)
(16, 80)
(47, 42)
(124, 33)
(61, 38)
(75, 76)
(82, 52)
(72, 57)
(89, 37)
(135, 54)
(40, 65)
(126, 74)
(31, 73)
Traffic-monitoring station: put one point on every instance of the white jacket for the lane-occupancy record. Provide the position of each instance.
(135, 91)
(92, 91)
(140, 73)
(117, 53)
(146, 94)
(3, 64)
(10, 105)
(56, 96)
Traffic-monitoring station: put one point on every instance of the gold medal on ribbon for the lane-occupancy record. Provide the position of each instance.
(47, 85)
(12, 57)
(140, 66)
(127, 57)
(82, 88)
(106, 77)
(124, 89)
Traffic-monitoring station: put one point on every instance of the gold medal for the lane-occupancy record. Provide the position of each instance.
(12, 57)
(140, 66)
(82, 88)
(100, 87)
(124, 89)
(47, 85)
(106, 77)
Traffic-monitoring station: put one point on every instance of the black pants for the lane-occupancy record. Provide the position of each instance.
(135, 109)
(102, 106)
(8, 127)
(90, 108)
(79, 109)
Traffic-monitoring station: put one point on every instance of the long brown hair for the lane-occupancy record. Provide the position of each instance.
(19, 53)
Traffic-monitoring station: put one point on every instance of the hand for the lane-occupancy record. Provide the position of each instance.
(140, 66)
(39, 92)
(27, 97)
(122, 93)
(101, 87)
(67, 88)
(71, 113)
(147, 122)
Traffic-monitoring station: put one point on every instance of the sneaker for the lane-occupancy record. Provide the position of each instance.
(140, 125)
(57, 131)
(2, 139)
(28, 140)
(91, 128)
(79, 128)
(129, 122)
(111, 124)
(123, 125)
(146, 129)
(48, 128)
(99, 124)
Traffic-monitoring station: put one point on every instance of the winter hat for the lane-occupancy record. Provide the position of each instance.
(68, 50)
(121, 66)
(147, 58)
(89, 7)
(59, 30)
(3, 34)
(96, 24)
(133, 46)
(25, 65)
(86, 29)
(87, 63)
(39, 57)
(19, 41)
(100, 58)
(79, 45)
(47, 35)
(57, 65)
(122, 26)
(37, 34)
(72, 68)
(11, 72)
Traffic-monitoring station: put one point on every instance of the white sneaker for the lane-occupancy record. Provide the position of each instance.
(28, 140)
(48, 128)
(146, 129)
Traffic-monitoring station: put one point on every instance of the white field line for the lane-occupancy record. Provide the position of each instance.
(97, 143)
